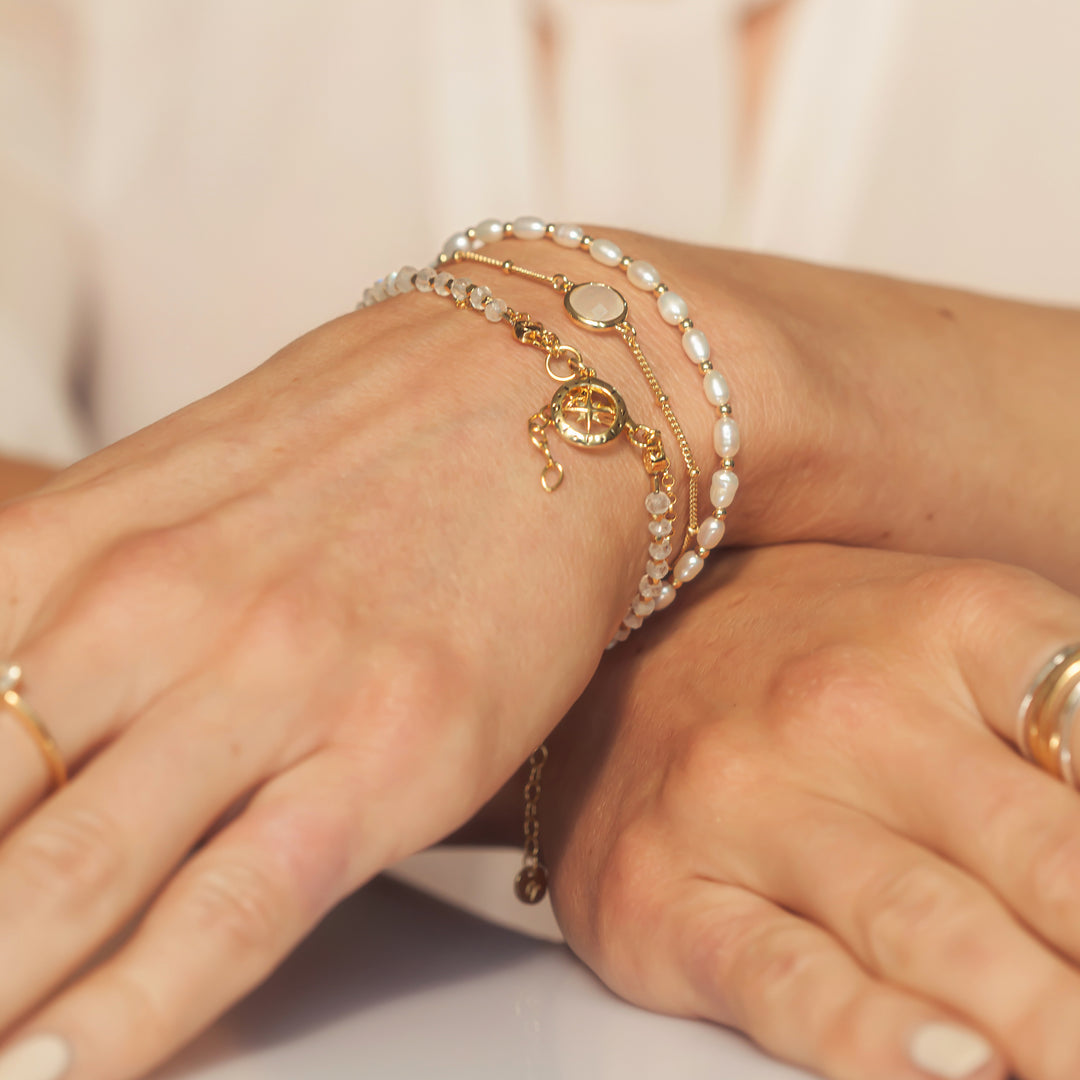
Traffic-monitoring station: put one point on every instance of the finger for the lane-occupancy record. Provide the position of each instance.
(140, 600)
(226, 920)
(1010, 624)
(917, 921)
(984, 808)
(74, 872)
(800, 995)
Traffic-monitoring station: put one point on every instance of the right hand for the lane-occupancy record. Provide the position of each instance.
(795, 810)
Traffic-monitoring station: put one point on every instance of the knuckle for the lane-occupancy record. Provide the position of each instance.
(69, 859)
(1054, 875)
(624, 900)
(770, 963)
(909, 912)
(238, 906)
(834, 685)
(702, 763)
(971, 594)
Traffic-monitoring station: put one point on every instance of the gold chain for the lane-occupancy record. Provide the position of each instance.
(562, 284)
(530, 884)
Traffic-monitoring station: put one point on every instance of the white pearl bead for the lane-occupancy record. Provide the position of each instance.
(644, 606)
(696, 345)
(657, 503)
(425, 278)
(495, 310)
(673, 308)
(568, 236)
(606, 252)
(458, 242)
(489, 230)
(725, 437)
(688, 567)
(404, 279)
(717, 391)
(723, 487)
(632, 621)
(478, 296)
(711, 532)
(643, 275)
(529, 227)
(442, 282)
(666, 597)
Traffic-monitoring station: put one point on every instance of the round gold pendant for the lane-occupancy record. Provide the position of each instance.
(595, 305)
(588, 412)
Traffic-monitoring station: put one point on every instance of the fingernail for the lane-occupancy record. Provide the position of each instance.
(40, 1057)
(946, 1050)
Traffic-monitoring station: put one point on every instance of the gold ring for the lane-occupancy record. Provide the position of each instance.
(1048, 712)
(33, 725)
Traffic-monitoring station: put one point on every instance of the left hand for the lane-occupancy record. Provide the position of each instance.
(793, 810)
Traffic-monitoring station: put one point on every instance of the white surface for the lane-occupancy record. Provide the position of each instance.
(397, 986)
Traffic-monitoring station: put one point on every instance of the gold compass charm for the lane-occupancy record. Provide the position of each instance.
(588, 412)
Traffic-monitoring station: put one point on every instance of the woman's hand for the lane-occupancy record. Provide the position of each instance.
(326, 611)
(795, 810)
(319, 616)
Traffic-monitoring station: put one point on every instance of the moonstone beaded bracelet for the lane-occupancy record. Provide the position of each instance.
(585, 412)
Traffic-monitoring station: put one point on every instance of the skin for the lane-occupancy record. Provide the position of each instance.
(829, 821)
(355, 612)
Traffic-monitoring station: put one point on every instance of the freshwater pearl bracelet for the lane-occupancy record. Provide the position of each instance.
(585, 411)
(675, 311)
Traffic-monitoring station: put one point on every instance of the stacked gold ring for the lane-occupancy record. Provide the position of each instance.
(1048, 714)
(32, 724)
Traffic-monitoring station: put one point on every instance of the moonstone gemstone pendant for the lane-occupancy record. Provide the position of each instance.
(595, 305)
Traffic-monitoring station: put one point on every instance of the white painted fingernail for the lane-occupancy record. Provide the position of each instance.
(946, 1050)
(40, 1057)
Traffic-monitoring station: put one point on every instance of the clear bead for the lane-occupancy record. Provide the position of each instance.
(495, 310)
(425, 278)
(657, 503)
(657, 570)
(442, 283)
(459, 289)
(660, 550)
(479, 296)
(660, 528)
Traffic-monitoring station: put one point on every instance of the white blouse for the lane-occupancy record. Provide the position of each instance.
(185, 185)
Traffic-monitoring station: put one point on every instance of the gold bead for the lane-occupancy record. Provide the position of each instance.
(550, 228)
(660, 289)
(471, 234)
(725, 409)
(586, 241)
(508, 265)
(686, 324)
(727, 463)
(625, 261)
